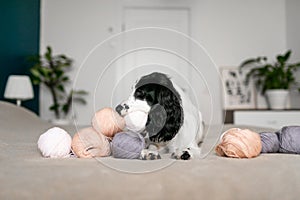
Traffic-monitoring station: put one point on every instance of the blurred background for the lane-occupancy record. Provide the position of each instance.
(229, 31)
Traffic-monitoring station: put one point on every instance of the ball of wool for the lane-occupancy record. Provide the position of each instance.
(270, 142)
(239, 143)
(87, 143)
(127, 145)
(289, 139)
(108, 122)
(55, 143)
(136, 121)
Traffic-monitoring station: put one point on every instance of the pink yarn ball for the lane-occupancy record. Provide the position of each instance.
(239, 143)
(87, 143)
(108, 122)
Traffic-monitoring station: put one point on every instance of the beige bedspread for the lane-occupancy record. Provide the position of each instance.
(25, 174)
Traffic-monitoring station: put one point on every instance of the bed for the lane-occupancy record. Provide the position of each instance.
(25, 174)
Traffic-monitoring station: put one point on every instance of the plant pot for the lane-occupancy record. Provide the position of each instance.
(294, 99)
(277, 98)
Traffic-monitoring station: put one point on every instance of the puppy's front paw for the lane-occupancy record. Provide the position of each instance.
(149, 155)
(183, 155)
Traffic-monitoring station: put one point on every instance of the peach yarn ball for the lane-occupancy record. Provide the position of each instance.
(108, 122)
(239, 143)
(87, 143)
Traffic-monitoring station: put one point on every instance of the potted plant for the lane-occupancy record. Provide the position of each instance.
(272, 79)
(50, 70)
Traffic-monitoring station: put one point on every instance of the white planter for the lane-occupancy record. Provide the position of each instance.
(277, 98)
(294, 99)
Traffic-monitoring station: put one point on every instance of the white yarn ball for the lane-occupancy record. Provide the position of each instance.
(55, 143)
(136, 121)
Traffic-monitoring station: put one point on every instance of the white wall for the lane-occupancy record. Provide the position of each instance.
(234, 30)
(293, 41)
(230, 30)
(74, 27)
(293, 28)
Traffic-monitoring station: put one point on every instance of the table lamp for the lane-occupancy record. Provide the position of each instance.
(18, 87)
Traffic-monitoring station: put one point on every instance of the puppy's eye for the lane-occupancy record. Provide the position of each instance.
(149, 98)
(126, 106)
(139, 94)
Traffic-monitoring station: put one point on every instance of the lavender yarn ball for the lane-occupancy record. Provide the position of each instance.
(127, 145)
(270, 142)
(289, 139)
(286, 140)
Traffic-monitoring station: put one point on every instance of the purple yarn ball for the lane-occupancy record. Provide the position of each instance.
(289, 139)
(286, 140)
(127, 145)
(270, 142)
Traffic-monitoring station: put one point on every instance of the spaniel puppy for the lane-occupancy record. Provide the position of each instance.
(174, 125)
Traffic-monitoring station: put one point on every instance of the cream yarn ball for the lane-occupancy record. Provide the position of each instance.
(55, 143)
(87, 143)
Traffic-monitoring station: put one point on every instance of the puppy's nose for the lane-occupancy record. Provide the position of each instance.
(119, 108)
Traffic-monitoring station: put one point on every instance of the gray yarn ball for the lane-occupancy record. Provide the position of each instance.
(286, 140)
(127, 145)
(270, 142)
(289, 139)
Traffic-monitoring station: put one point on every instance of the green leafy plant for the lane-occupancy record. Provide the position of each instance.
(50, 70)
(277, 75)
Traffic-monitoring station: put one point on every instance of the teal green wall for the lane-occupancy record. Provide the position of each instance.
(19, 38)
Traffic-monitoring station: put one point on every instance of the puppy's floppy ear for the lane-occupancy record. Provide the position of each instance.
(156, 120)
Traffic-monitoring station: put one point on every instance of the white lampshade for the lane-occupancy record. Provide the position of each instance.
(18, 87)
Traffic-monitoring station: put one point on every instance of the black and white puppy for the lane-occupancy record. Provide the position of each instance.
(174, 125)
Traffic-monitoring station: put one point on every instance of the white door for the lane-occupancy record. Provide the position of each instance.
(177, 19)
(155, 50)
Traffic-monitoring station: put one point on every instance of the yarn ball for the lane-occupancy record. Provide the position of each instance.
(289, 139)
(239, 143)
(136, 121)
(87, 143)
(55, 143)
(108, 122)
(270, 142)
(127, 145)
